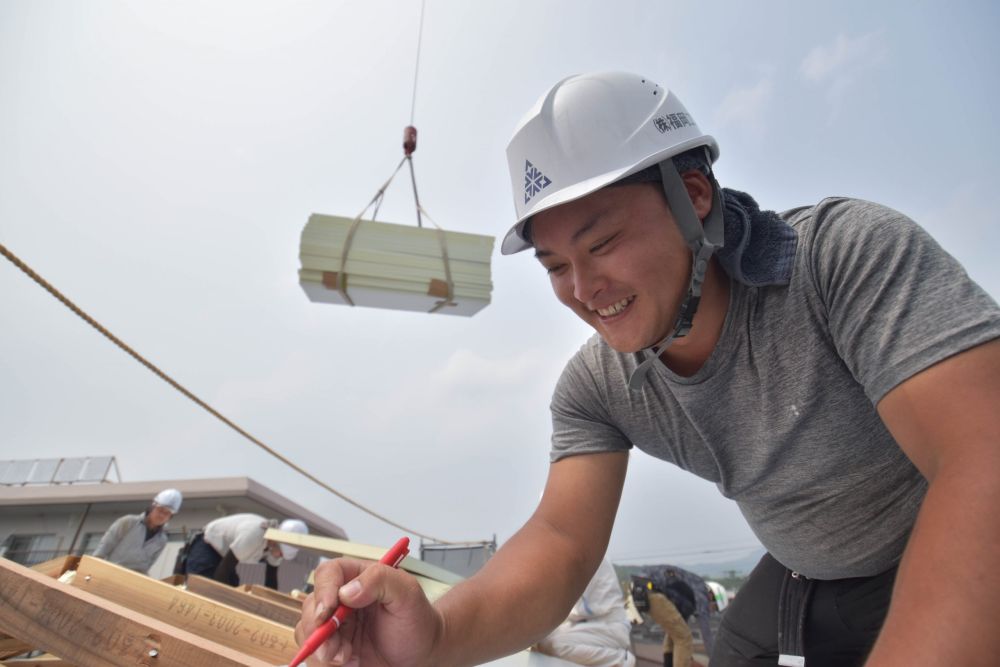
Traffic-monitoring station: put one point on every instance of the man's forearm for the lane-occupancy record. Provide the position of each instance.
(946, 602)
(520, 595)
(529, 586)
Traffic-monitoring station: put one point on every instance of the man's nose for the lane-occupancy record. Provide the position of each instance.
(588, 281)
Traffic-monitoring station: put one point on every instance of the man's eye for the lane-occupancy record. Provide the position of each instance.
(603, 243)
(554, 269)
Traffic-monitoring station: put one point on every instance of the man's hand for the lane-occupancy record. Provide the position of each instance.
(394, 624)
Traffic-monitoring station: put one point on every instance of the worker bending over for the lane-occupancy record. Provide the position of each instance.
(239, 538)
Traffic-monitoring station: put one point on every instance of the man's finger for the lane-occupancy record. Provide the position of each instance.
(380, 583)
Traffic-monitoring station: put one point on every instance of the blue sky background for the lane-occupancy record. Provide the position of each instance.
(158, 161)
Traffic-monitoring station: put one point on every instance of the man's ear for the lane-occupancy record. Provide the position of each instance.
(699, 189)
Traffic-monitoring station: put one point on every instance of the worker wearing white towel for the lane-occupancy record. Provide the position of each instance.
(135, 541)
(239, 538)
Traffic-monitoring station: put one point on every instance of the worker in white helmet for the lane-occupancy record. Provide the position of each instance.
(831, 369)
(239, 538)
(135, 541)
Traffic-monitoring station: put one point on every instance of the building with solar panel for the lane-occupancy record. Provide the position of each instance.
(58, 507)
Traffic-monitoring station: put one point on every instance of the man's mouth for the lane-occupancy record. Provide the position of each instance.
(615, 308)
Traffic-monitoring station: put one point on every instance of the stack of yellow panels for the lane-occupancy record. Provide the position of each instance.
(394, 266)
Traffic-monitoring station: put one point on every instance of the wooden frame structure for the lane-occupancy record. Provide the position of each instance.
(108, 615)
(86, 612)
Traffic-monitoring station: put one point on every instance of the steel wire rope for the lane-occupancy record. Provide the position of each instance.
(413, 109)
(16, 261)
(416, 67)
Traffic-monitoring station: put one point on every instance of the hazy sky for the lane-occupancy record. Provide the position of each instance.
(158, 161)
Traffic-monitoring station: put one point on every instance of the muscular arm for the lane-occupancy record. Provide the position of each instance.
(947, 597)
(529, 586)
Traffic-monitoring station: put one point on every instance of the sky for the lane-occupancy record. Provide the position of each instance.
(159, 160)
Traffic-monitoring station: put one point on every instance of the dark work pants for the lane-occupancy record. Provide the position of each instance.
(843, 620)
(204, 560)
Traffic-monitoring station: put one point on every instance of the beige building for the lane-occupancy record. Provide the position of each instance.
(55, 507)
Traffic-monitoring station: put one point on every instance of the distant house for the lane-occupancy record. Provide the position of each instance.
(55, 507)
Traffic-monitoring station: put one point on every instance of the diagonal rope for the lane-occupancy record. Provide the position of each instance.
(215, 413)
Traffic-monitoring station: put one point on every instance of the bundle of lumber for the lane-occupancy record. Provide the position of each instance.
(383, 265)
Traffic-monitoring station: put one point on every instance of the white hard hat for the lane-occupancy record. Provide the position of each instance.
(169, 498)
(589, 131)
(292, 526)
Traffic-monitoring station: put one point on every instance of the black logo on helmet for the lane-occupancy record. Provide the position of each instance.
(534, 181)
(672, 121)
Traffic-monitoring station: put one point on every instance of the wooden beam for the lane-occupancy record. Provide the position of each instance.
(55, 567)
(241, 600)
(87, 631)
(239, 630)
(51, 568)
(434, 580)
(45, 660)
(274, 596)
(333, 547)
(9, 647)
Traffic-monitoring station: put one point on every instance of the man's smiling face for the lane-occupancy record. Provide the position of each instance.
(618, 260)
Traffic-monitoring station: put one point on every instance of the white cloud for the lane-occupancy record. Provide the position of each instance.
(838, 65)
(291, 376)
(844, 57)
(467, 370)
(746, 106)
(473, 394)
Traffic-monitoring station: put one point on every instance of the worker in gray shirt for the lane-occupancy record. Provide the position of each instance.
(136, 540)
(831, 369)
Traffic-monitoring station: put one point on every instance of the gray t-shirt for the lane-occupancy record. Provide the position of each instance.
(782, 415)
(125, 543)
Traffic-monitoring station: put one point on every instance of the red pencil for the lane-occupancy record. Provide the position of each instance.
(393, 557)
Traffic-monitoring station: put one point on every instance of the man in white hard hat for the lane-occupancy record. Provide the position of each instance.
(239, 538)
(135, 541)
(831, 369)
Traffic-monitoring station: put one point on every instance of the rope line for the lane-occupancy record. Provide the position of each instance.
(215, 413)
(416, 68)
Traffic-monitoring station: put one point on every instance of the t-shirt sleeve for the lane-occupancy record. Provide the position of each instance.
(581, 423)
(896, 302)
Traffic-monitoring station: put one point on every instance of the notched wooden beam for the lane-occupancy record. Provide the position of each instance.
(237, 629)
(88, 631)
(274, 596)
(240, 599)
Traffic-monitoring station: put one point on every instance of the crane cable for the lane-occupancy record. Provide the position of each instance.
(409, 139)
(416, 68)
(215, 413)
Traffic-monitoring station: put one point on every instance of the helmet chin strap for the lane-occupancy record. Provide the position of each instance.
(703, 242)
